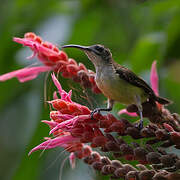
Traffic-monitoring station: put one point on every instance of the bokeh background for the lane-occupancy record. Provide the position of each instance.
(136, 31)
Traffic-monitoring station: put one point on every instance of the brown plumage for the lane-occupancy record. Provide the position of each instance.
(127, 75)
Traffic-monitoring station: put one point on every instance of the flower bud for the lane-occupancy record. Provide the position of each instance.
(146, 175)
(140, 153)
(120, 173)
(88, 160)
(99, 140)
(162, 134)
(160, 176)
(153, 158)
(133, 132)
(96, 156)
(97, 165)
(105, 160)
(147, 132)
(132, 175)
(112, 146)
(168, 160)
(108, 169)
(126, 149)
(87, 151)
(116, 164)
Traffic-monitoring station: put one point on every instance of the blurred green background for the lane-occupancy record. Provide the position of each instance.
(136, 31)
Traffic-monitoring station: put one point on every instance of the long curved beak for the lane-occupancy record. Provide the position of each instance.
(86, 48)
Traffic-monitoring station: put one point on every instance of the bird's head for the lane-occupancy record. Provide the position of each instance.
(98, 54)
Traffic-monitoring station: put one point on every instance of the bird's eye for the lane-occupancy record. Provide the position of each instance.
(99, 48)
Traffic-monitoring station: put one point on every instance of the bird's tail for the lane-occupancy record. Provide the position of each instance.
(163, 101)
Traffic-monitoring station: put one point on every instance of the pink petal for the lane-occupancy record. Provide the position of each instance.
(34, 47)
(124, 111)
(69, 124)
(61, 141)
(68, 97)
(64, 95)
(154, 78)
(25, 42)
(65, 116)
(47, 51)
(55, 95)
(72, 160)
(44, 59)
(29, 43)
(52, 124)
(66, 125)
(28, 78)
(58, 115)
(82, 118)
(42, 52)
(25, 74)
(56, 83)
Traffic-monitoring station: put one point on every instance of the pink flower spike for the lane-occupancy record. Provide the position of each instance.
(56, 83)
(25, 74)
(124, 111)
(61, 141)
(154, 78)
(72, 160)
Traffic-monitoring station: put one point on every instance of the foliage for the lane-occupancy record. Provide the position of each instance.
(137, 33)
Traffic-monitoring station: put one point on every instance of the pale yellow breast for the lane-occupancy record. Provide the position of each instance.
(113, 87)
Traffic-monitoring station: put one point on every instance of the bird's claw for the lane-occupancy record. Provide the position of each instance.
(97, 110)
(140, 125)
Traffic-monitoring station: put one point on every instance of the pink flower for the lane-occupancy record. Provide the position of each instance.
(25, 74)
(154, 78)
(51, 59)
(72, 160)
(47, 53)
(154, 84)
(60, 141)
(124, 111)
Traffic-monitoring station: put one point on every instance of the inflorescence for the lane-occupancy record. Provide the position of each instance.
(72, 128)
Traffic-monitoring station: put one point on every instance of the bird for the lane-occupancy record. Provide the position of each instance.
(116, 82)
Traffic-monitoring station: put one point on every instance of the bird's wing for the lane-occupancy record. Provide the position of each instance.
(133, 79)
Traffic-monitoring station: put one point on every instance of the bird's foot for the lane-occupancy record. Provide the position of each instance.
(140, 125)
(97, 110)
